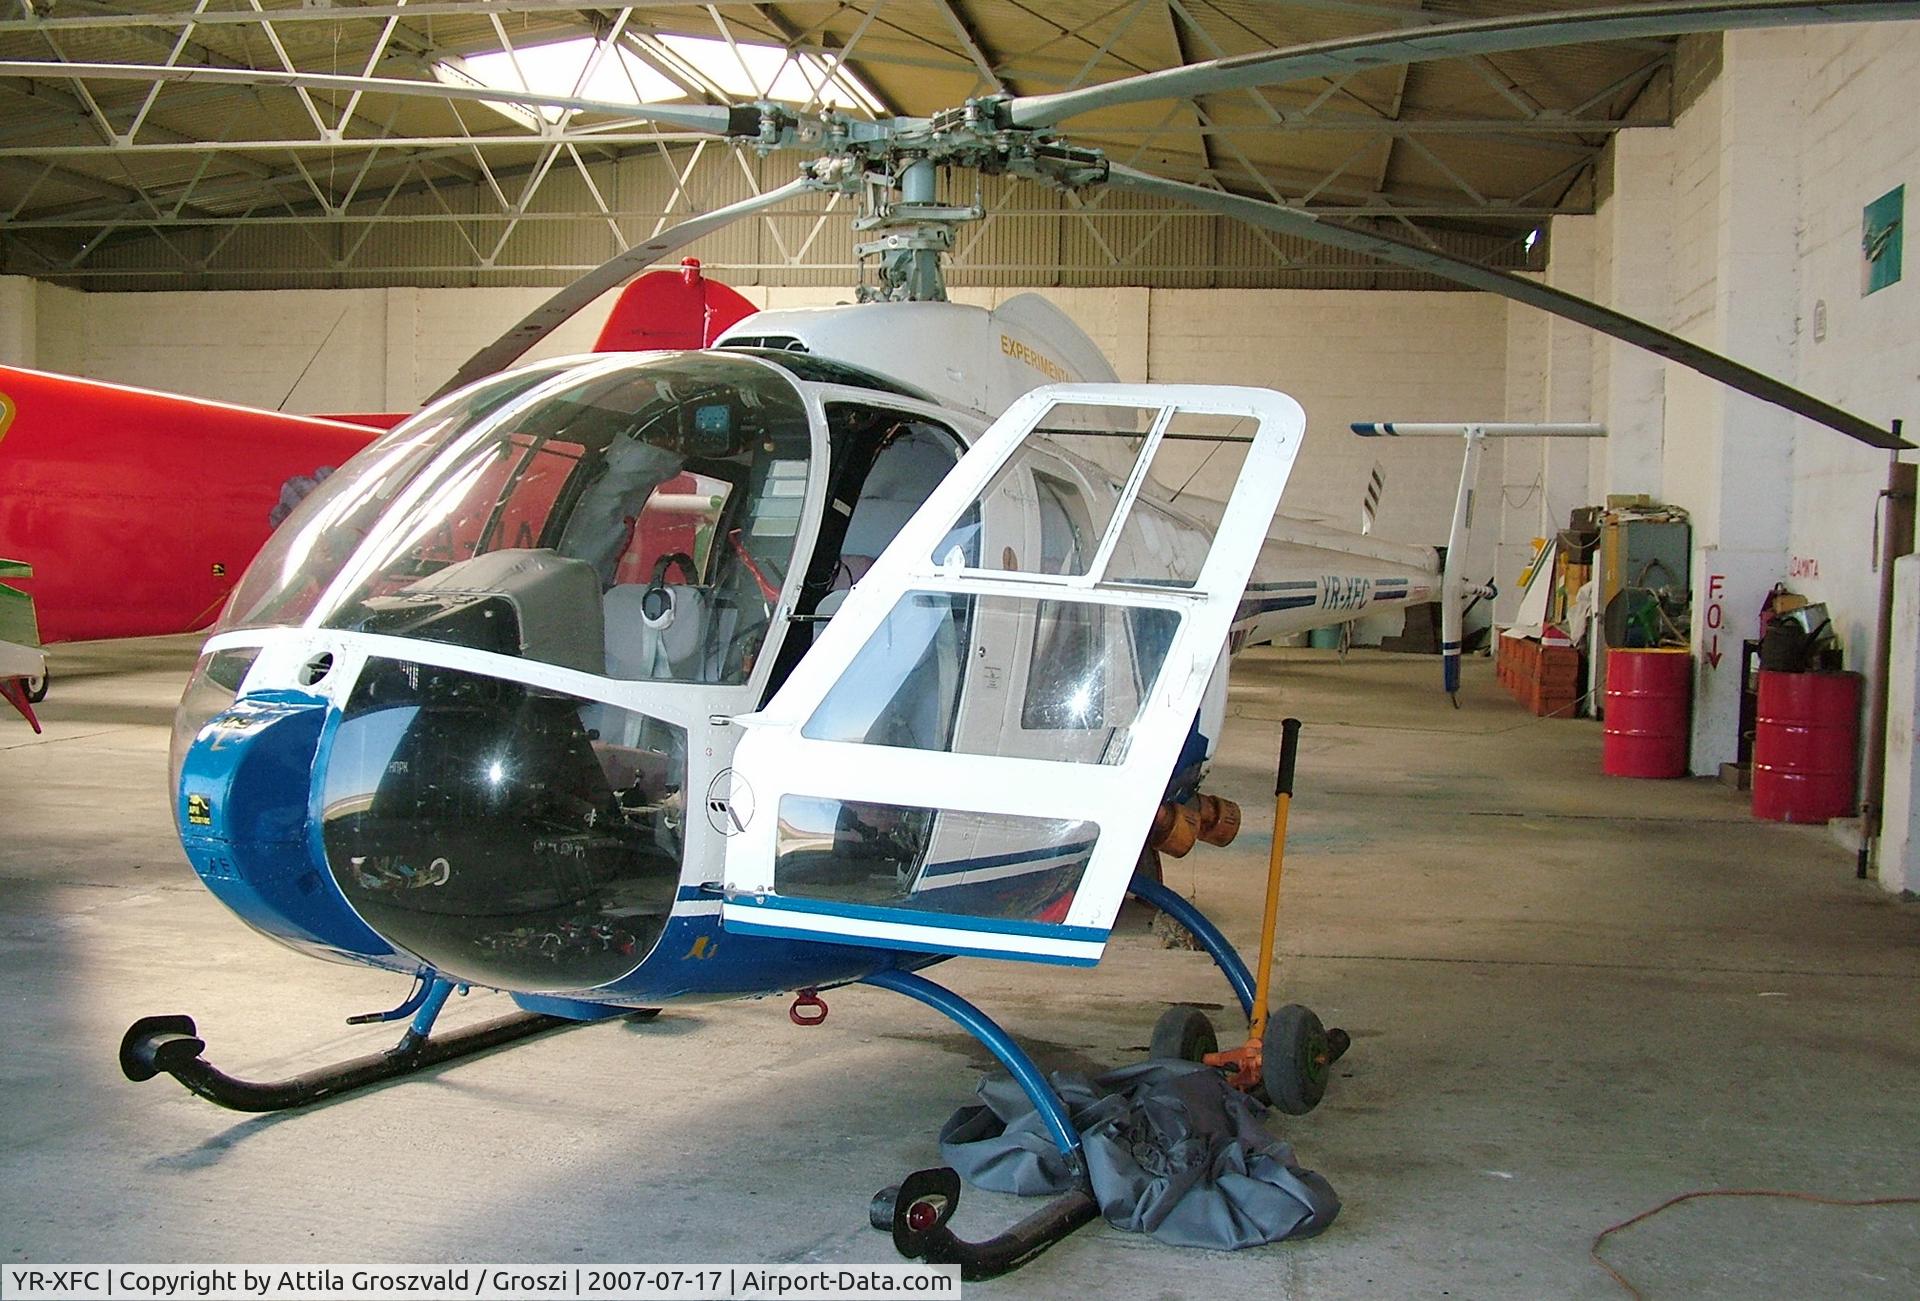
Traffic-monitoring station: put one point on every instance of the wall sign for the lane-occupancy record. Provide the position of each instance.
(1880, 226)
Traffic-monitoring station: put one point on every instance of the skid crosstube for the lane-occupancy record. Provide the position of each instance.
(916, 1210)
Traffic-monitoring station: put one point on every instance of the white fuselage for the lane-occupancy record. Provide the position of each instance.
(543, 622)
(978, 361)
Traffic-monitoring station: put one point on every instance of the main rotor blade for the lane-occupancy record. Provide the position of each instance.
(616, 271)
(689, 117)
(1289, 221)
(1351, 54)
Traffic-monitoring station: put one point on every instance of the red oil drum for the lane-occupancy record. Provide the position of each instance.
(1646, 713)
(1805, 739)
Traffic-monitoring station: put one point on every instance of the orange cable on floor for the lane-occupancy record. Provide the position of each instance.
(1786, 1194)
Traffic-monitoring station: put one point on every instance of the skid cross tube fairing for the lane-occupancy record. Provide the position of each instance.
(423, 989)
(917, 1209)
(172, 1044)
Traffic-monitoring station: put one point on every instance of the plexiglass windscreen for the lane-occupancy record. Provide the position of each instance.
(635, 522)
(1050, 509)
(324, 529)
(1000, 675)
(931, 860)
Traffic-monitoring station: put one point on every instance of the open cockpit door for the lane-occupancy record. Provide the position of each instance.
(969, 758)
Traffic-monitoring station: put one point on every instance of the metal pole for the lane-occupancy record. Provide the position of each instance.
(1896, 540)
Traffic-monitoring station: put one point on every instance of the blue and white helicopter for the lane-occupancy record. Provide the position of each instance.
(869, 637)
(638, 679)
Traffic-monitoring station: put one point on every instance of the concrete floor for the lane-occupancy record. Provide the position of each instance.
(1570, 997)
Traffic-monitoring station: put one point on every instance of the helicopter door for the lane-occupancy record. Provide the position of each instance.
(969, 758)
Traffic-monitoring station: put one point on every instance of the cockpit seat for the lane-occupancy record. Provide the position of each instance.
(654, 632)
(903, 476)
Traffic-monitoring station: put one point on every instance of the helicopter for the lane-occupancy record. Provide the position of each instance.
(867, 638)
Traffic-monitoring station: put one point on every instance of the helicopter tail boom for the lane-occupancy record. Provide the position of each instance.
(1455, 588)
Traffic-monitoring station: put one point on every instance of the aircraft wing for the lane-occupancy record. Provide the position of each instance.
(138, 510)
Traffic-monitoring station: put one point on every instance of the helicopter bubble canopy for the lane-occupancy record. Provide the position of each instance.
(663, 492)
(526, 597)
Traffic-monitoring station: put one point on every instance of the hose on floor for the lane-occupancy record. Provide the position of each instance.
(1699, 1193)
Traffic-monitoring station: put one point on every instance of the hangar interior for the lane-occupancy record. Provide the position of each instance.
(1572, 994)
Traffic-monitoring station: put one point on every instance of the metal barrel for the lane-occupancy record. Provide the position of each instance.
(1806, 746)
(1647, 698)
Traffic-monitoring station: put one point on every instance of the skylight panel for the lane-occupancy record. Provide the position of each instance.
(741, 71)
(748, 71)
(558, 68)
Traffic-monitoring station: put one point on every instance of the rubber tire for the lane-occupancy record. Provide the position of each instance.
(36, 688)
(1183, 1034)
(1296, 1059)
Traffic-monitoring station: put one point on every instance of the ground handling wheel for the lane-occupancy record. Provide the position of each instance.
(1183, 1034)
(36, 688)
(1297, 1057)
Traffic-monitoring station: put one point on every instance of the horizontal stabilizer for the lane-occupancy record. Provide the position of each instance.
(1402, 429)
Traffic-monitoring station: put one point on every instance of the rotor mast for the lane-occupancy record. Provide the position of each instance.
(893, 168)
(908, 236)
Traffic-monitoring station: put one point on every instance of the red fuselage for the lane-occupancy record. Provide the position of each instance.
(139, 510)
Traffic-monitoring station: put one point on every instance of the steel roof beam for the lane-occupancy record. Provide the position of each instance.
(792, 37)
(970, 41)
(563, 271)
(329, 13)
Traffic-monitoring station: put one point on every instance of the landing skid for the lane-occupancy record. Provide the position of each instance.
(171, 1044)
(917, 1209)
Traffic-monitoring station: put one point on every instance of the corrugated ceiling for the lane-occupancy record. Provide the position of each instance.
(109, 184)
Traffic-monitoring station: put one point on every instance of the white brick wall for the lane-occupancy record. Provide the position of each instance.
(1734, 228)
(1344, 355)
(1869, 361)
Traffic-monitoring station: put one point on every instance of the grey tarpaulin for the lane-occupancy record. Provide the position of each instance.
(1172, 1150)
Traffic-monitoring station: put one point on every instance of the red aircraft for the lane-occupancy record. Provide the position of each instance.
(138, 511)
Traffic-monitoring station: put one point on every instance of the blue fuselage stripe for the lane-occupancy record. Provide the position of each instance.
(957, 865)
(918, 946)
(1249, 608)
(920, 917)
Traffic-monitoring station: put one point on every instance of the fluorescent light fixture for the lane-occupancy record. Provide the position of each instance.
(740, 71)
